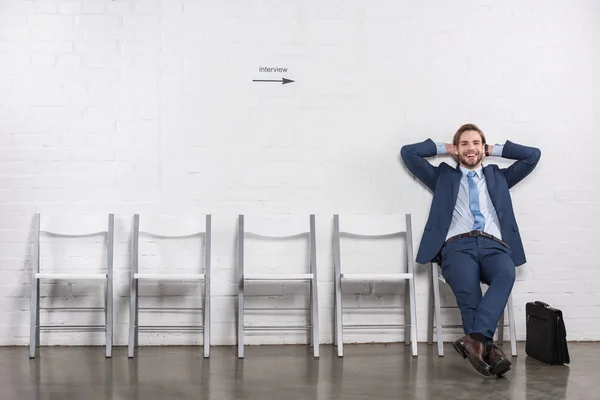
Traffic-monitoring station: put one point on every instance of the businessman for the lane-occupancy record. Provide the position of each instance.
(472, 232)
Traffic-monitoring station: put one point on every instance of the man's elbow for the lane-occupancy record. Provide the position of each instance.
(405, 153)
(536, 154)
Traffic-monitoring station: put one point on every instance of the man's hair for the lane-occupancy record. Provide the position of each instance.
(464, 128)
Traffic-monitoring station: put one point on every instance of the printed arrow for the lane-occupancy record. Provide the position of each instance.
(282, 80)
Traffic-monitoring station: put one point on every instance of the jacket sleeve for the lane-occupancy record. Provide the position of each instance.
(413, 156)
(527, 158)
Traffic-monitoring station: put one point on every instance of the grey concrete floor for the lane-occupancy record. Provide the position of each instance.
(371, 371)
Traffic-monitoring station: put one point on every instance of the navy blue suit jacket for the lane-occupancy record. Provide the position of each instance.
(444, 182)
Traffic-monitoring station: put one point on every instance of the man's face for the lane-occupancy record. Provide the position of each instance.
(470, 150)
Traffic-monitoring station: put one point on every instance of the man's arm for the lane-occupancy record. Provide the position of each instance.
(527, 158)
(413, 156)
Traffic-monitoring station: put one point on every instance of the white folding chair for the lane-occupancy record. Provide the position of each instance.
(375, 226)
(435, 315)
(168, 226)
(71, 226)
(278, 227)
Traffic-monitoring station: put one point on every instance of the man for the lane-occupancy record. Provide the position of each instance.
(472, 232)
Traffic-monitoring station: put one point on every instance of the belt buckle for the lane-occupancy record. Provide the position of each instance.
(475, 233)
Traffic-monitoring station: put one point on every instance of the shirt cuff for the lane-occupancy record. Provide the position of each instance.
(441, 148)
(497, 151)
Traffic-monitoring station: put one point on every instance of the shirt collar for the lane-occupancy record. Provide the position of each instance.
(478, 171)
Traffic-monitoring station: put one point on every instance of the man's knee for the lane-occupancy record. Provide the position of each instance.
(506, 274)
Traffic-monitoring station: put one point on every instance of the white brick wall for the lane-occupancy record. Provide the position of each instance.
(148, 106)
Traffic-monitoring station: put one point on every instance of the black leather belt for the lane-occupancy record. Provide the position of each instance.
(477, 233)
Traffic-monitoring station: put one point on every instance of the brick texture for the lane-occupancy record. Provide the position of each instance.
(149, 107)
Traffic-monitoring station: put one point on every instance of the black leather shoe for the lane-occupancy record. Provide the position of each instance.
(498, 362)
(475, 352)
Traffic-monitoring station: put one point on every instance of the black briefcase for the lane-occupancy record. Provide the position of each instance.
(546, 334)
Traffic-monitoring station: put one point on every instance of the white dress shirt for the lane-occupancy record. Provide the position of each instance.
(462, 217)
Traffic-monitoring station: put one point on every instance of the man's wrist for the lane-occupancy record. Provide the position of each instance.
(444, 148)
(440, 148)
(496, 150)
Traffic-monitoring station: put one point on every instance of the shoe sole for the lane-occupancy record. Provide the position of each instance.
(459, 349)
(483, 370)
(501, 368)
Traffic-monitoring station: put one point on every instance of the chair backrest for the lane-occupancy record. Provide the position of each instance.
(171, 226)
(370, 226)
(276, 227)
(74, 226)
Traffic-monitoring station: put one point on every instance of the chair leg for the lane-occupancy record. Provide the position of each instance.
(430, 308)
(512, 327)
(38, 329)
(240, 336)
(207, 286)
(240, 277)
(501, 329)
(109, 317)
(35, 321)
(315, 316)
(109, 286)
(206, 328)
(438, 311)
(407, 316)
(132, 318)
(310, 316)
(413, 316)
(137, 314)
(410, 289)
(337, 277)
(339, 334)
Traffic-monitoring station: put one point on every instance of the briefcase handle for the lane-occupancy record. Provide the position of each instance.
(541, 303)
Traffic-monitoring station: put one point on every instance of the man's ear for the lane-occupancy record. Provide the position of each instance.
(455, 149)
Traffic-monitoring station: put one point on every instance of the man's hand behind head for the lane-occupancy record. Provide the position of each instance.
(451, 150)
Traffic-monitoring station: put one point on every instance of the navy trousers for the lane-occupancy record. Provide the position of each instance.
(465, 264)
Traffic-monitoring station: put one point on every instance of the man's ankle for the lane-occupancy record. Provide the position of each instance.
(480, 337)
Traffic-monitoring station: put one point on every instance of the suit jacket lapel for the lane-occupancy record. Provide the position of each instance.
(490, 181)
(488, 172)
(455, 185)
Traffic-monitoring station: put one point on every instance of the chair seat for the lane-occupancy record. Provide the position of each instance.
(62, 276)
(169, 277)
(376, 277)
(277, 277)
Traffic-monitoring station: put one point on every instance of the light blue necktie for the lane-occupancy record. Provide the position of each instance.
(479, 223)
